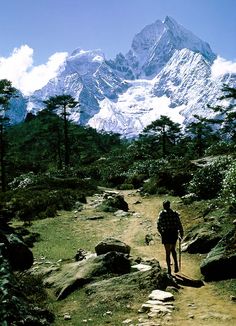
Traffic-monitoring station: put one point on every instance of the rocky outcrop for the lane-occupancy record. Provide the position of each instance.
(221, 261)
(75, 275)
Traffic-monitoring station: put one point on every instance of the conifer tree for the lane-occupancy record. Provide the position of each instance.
(227, 113)
(200, 130)
(6, 93)
(61, 104)
(165, 130)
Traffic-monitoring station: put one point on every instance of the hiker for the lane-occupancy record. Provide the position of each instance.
(170, 228)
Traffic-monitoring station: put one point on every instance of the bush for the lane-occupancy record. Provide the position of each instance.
(40, 196)
(229, 185)
(220, 148)
(28, 205)
(152, 187)
(207, 181)
(126, 186)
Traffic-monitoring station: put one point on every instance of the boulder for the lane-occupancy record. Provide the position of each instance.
(125, 286)
(15, 308)
(111, 244)
(113, 201)
(221, 261)
(202, 238)
(75, 275)
(18, 254)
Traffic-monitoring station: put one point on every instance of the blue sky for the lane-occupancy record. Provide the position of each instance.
(50, 26)
(36, 35)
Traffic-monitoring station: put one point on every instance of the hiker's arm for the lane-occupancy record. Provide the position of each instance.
(160, 227)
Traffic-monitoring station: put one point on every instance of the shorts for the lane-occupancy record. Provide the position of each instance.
(169, 237)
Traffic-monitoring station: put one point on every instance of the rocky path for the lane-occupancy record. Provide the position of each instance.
(194, 306)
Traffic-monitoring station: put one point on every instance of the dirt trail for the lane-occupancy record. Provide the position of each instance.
(194, 306)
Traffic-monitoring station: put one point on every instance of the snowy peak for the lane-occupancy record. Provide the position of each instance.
(186, 39)
(84, 62)
(156, 43)
(167, 71)
(144, 41)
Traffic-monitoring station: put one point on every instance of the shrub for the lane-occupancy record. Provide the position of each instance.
(40, 196)
(220, 148)
(229, 185)
(126, 186)
(207, 181)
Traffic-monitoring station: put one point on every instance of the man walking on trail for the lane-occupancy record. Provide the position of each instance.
(170, 227)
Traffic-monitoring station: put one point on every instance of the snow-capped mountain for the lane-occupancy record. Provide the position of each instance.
(167, 71)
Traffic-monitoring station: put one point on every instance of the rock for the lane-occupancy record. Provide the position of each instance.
(141, 267)
(15, 308)
(221, 261)
(201, 238)
(123, 286)
(113, 201)
(19, 255)
(95, 217)
(127, 321)
(67, 317)
(149, 239)
(111, 244)
(75, 275)
(121, 213)
(161, 295)
(81, 254)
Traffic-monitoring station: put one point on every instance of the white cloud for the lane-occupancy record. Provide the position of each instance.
(222, 66)
(26, 77)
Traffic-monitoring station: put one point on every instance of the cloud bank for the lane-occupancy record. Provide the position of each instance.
(19, 69)
(222, 66)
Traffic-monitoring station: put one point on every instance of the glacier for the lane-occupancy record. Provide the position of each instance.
(167, 71)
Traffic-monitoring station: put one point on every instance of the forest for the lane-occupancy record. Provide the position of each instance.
(61, 161)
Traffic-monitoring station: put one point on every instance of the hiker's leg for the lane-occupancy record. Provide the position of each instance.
(167, 248)
(174, 255)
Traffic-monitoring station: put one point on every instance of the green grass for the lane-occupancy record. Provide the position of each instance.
(60, 238)
(62, 235)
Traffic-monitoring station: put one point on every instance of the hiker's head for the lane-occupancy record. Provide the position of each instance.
(166, 204)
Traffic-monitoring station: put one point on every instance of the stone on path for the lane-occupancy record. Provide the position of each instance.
(161, 295)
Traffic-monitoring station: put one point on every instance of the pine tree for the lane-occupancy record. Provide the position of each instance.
(61, 104)
(228, 113)
(165, 131)
(6, 93)
(200, 130)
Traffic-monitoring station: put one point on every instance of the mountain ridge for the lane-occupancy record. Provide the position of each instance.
(166, 71)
